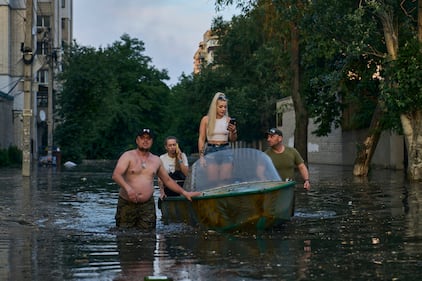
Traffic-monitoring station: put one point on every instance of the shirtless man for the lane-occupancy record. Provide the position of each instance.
(134, 173)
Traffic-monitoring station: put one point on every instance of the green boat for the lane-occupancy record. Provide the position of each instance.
(254, 198)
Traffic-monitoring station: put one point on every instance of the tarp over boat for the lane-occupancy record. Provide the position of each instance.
(246, 162)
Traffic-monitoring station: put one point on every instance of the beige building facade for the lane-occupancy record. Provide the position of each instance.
(205, 53)
(51, 30)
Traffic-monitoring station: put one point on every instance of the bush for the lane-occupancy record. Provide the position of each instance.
(4, 158)
(10, 157)
(15, 155)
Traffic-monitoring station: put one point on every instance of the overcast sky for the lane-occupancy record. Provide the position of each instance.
(170, 29)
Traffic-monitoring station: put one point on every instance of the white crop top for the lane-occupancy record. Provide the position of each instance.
(220, 131)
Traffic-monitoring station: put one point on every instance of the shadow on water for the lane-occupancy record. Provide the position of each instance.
(59, 225)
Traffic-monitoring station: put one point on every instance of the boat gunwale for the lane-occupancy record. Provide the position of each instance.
(205, 196)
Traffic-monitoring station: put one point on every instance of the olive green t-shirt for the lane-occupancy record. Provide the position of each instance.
(285, 162)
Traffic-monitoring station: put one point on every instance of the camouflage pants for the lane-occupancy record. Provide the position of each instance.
(139, 215)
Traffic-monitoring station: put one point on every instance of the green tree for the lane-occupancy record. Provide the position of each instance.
(189, 101)
(402, 94)
(256, 70)
(282, 18)
(338, 53)
(365, 39)
(239, 70)
(339, 62)
(108, 94)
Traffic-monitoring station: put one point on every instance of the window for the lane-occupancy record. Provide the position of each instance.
(42, 48)
(279, 119)
(42, 97)
(63, 3)
(42, 76)
(43, 21)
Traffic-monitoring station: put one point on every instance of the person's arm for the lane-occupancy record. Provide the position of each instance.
(160, 182)
(232, 132)
(202, 135)
(233, 136)
(161, 186)
(118, 176)
(260, 171)
(184, 165)
(305, 175)
(170, 183)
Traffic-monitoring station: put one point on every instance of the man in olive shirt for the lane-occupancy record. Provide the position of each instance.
(286, 159)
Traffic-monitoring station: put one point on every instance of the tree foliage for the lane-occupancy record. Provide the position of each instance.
(108, 94)
(256, 67)
(189, 101)
(402, 92)
(247, 67)
(347, 48)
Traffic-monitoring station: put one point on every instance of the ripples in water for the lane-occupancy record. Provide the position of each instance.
(60, 226)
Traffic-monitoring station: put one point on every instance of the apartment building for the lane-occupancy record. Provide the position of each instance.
(50, 31)
(205, 53)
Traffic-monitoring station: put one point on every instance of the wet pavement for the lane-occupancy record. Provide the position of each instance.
(59, 225)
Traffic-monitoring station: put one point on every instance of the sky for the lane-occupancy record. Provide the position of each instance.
(170, 29)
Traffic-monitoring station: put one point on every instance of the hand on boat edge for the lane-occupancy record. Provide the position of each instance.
(191, 194)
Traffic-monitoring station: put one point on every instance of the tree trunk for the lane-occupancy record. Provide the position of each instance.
(420, 20)
(301, 126)
(367, 148)
(414, 169)
(412, 128)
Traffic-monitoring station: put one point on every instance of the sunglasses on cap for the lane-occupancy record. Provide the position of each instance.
(274, 131)
(146, 131)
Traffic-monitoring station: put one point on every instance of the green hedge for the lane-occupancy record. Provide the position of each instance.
(11, 156)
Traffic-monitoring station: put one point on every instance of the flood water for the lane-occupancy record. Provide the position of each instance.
(59, 225)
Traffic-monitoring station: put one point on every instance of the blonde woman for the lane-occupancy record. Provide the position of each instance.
(215, 132)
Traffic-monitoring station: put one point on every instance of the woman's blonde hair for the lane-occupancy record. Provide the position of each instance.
(212, 111)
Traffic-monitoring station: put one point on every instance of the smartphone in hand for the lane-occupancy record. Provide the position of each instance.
(233, 121)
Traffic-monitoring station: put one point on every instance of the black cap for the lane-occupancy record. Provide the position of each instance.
(146, 131)
(274, 131)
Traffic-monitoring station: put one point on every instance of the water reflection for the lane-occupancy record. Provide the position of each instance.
(59, 225)
(136, 255)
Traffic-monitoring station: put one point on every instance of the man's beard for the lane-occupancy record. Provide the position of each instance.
(141, 149)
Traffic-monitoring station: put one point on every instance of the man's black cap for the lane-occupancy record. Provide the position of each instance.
(274, 131)
(146, 131)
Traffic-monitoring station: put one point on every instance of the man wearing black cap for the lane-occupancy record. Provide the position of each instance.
(134, 173)
(285, 158)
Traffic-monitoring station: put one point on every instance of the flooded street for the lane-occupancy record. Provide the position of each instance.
(59, 225)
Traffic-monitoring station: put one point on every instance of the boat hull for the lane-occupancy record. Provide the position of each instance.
(244, 206)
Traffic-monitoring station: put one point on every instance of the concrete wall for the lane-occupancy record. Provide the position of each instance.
(340, 148)
(390, 151)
